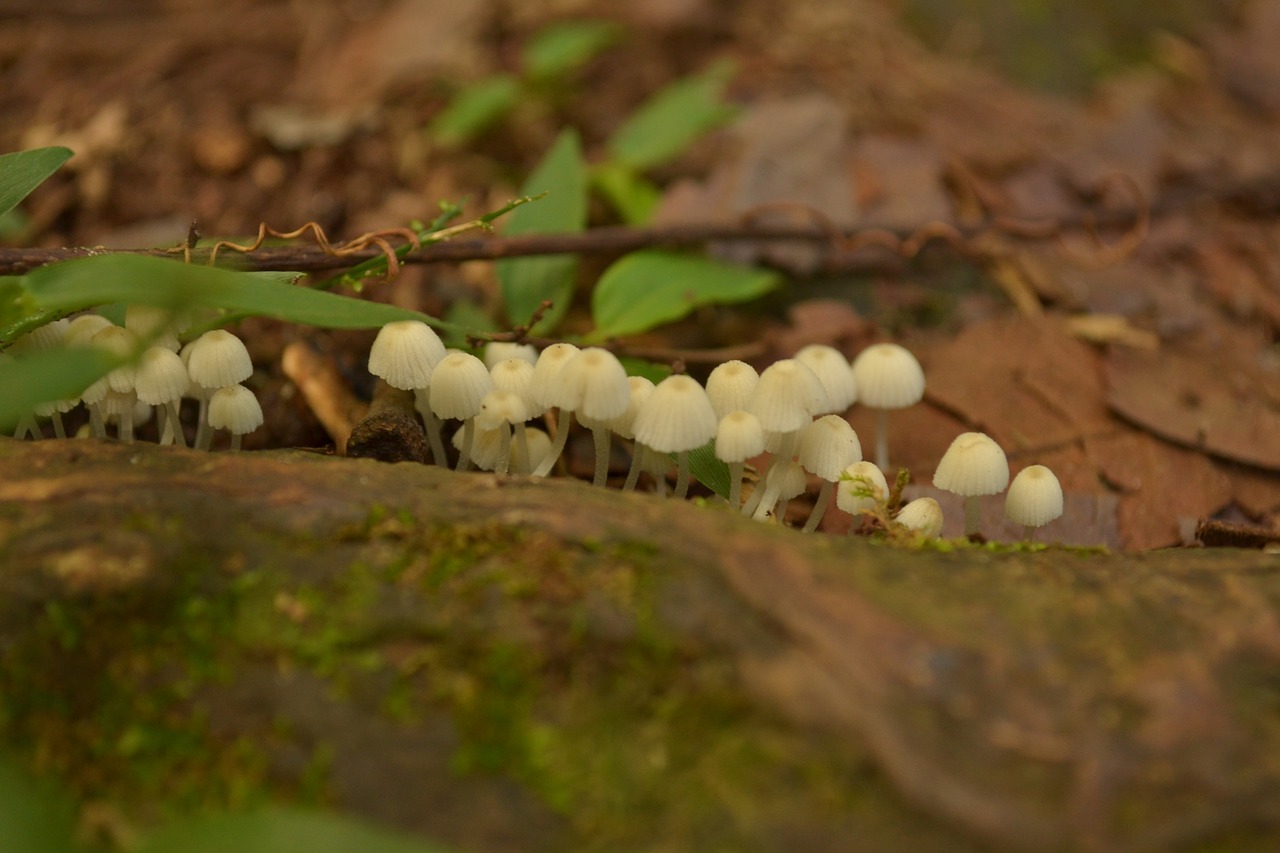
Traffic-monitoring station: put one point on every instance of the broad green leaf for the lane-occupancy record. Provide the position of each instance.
(650, 370)
(526, 282)
(631, 194)
(23, 171)
(474, 110)
(672, 119)
(33, 816)
(560, 48)
(44, 377)
(708, 470)
(281, 831)
(648, 288)
(136, 279)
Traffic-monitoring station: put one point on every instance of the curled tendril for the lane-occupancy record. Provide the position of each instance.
(350, 247)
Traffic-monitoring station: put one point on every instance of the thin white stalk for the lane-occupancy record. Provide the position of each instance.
(432, 425)
(633, 475)
(557, 446)
(600, 436)
(735, 484)
(972, 515)
(522, 446)
(26, 427)
(882, 440)
(468, 436)
(820, 507)
(772, 486)
(59, 428)
(504, 450)
(235, 441)
(204, 432)
(125, 427)
(96, 424)
(682, 474)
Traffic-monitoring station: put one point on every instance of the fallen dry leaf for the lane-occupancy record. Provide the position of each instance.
(1223, 399)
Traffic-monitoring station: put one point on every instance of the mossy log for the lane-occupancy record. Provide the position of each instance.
(516, 665)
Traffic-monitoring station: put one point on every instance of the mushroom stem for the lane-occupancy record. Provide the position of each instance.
(26, 427)
(557, 447)
(882, 440)
(468, 436)
(633, 475)
(735, 484)
(600, 434)
(682, 474)
(96, 423)
(522, 446)
(172, 431)
(504, 450)
(125, 427)
(972, 515)
(786, 449)
(432, 426)
(235, 441)
(820, 507)
(204, 434)
(59, 429)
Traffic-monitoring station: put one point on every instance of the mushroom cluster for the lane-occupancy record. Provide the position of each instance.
(154, 376)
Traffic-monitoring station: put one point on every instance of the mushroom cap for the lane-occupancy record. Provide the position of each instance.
(676, 417)
(486, 446)
(82, 329)
(516, 375)
(593, 383)
(458, 384)
(789, 478)
(861, 487)
(923, 515)
(157, 325)
(730, 385)
(624, 424)
(550, 362)
(218, 359)
(161, 376)
(787, 396)
(833, 371)
(1034, 498)
(501, 408)
(888, 377)
(828, 446)
(121, 343)
(234, 408)
(496, 351)
(739, 437)
(973, 465)
(44, 338)
(404, 353)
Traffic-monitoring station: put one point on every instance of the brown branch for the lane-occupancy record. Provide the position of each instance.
(865, 248)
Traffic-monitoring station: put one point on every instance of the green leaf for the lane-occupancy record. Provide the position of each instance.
(136, 279)
(281, 831)
(33, 816)
(526, 282)
(672, 119)
(631, 194)
(474, 110)
(44, 377)
(648, 288)
(23, 171)
(559, 49)
(651, 370)
(708, 470)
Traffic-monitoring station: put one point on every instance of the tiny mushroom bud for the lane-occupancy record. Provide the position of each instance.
(862, 488)
(888, 377)
(923, 515)
(738, 438)
(827, 447)
(676, 418)
(1034, 498)
(235, 408)
(973, 466)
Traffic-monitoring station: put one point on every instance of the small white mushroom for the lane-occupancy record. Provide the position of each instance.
(834, 372)
(738, 438)
(403, 355)
(973, 466)
(676, 418)
(505, 412)
(458, 385)
(161, 381)
(862, 488)
(827, 447)
(234, 408)
(216, 359)
(730, 386)
(550, 362)
(1034, 499)
(888, 377)
(594, 385)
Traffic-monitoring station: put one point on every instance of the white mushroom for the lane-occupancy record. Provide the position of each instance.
(973, 466)
(738, 438)
(923, 515)
(403, 355)
(834, 372)
(827, 447)
(234, 408)
(862, 488)
(730, 385)
(1034, 499)
(888, 377)
(458, 385)
(676, 418)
